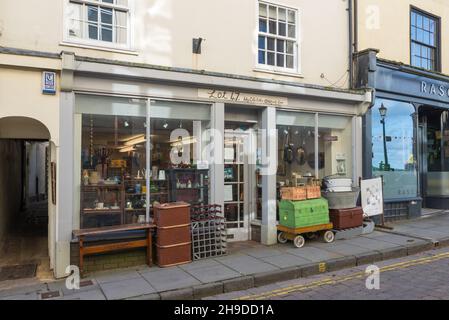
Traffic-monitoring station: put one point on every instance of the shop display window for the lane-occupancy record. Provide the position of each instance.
(113, 148)
(393, 139)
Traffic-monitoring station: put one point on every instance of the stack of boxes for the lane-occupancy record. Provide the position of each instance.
(173, 240)
(303, 207)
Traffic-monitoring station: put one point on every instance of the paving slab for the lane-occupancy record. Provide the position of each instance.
(95, 294)
(84, 286)
(286, 260)
(170, 279)
(314, 254)
(344, 249)
(126, 289)
(262, 252)
(373, 244)
(393, 238)
(246, 265)
(24, 296)
(214, 273)
(200, 264)
(111, 276)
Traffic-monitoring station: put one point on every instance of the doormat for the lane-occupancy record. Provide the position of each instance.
(18, 272)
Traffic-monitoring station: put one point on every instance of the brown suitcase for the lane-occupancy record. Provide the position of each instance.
(346, 218)
(168, 256)
(172, 214)
(167, 236)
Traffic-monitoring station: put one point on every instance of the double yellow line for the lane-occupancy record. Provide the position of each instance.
(337, 280)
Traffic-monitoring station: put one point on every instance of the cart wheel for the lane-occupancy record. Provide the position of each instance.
(329, 237)
(282, 238)
(299, 241)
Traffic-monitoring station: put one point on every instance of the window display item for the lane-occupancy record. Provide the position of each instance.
(298, 214)
(346, 218)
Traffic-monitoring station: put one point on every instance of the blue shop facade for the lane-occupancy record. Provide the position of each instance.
(406, 134)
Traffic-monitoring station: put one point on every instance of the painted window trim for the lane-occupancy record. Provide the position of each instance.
(98, 44)
(297, 71)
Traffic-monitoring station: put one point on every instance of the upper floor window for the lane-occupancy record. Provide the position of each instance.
(99, 20)
(424, 40)
(277, 42)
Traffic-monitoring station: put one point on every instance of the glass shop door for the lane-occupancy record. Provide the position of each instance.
(240, 180)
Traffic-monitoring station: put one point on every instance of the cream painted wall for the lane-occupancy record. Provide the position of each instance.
(21, 95)
(163, 32)
(390, 33)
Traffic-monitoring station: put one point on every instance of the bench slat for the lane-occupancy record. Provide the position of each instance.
(105, 230)
(115, 246)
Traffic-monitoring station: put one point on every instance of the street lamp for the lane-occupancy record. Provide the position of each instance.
(383, 114)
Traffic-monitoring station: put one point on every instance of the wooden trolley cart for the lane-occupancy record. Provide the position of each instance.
(298, 235)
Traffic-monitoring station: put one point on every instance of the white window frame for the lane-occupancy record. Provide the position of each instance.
(296, 70)
(90, 43)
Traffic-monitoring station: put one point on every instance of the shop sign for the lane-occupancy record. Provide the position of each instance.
(235, 96)
(48, 82)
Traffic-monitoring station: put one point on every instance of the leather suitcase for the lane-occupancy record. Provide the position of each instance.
(346, 218)
(172, 214)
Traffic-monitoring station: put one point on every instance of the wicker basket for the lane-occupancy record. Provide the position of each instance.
(313, 192)
(294, 193)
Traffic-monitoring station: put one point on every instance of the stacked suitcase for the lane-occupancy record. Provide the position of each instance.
(343, 219)
(173, 240)
(208, 227)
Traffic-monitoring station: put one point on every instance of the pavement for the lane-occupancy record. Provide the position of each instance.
(247, 265)
(421, 276)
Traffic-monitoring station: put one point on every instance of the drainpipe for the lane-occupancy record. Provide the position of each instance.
(351, 47)
(356, 25)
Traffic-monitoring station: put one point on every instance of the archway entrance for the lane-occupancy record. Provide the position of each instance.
(25, 153)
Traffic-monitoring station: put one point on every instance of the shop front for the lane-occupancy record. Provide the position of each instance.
(140, 143)
(406, 137)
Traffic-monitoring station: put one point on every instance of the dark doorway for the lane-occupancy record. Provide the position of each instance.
(24, 207)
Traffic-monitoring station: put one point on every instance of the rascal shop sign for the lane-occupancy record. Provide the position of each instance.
(435, 90)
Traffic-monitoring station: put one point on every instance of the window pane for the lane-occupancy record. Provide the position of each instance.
(413, 19)
(75, 12)
(280, 46)
(273, 13)
(334, 146)
(426, 23)
(270, 44)
(280, 60)
(106, 15)
(270, 58)
(263, 25)
(106, 33)
(92, 13)
(413, 35)
(121, 35)
(261, 42)
(93, 31)
(108, 1)
(290, 62)
(290, 47)
(291, 16)
(393, 155)
(291, 31)
(282, 29)
(121, 18)
(419, 21)
(282, 14)
(262, 10)
(272, 25)
(420, 35)
(261, 57)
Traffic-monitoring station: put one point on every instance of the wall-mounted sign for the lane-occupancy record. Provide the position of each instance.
(48, 82)
(235, 96)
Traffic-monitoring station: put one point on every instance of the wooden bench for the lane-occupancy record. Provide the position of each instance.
(114, 246)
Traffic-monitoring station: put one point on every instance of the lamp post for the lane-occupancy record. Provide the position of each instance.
(383, 114)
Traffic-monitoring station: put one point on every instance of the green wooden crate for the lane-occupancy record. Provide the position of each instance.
(300, 214)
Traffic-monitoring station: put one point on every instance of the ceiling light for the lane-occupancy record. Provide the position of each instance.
(127, 149)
